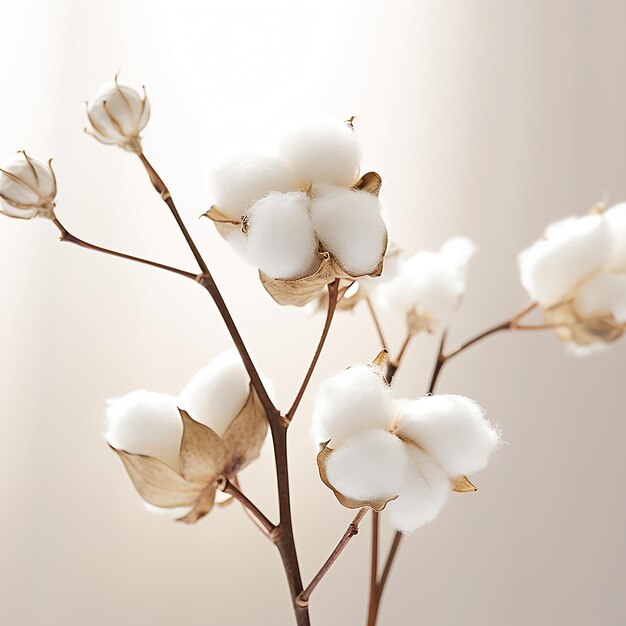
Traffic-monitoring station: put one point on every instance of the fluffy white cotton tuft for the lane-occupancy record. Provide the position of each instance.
(431, 283)
(573, 249)
(144, 422)
(239, 179)
(422, 495)
(321, 149)
(217, 393)
(368, 466)
(281, 241)
(604, 293)
(350, 226)
(350, 402)
(616, 220)
(452, 430)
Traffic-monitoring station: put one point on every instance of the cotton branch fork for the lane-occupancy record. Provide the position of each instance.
(283, 533)
(441, 360)
(333, 291)
(67, 236)
(232, 490)
(351, 531)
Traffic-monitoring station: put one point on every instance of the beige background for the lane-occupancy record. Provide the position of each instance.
(486, 118)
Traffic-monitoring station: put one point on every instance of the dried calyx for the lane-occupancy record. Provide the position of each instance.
(28, 188)
(179, 451)
(577, 274)
(117, 114)
(401, 455)
(304, 218)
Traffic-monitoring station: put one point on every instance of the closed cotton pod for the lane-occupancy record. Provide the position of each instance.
(321, 149)
(236, 180)
(349, 225)
(280, 237)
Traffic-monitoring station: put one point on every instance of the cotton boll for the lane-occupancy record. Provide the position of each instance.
(574, 249)
(350, 226)
(457, 252)
(144, 422)
(423, 493)
(241, 178)
(604, 293)
(322, 149)
(452, 430)
(281, 241)
(350, 402)
(616, 220)
(368, 466)
(218, 392)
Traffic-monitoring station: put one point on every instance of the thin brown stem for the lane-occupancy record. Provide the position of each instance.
(333, 290)
(283, 533)
(67, 236)
(352, 530)
(235, 492)
(161, 187)
(379, 328)
(373, 591)
(387, 568)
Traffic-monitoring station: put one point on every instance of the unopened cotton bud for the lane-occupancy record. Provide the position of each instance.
(353, 400)
(424, 490)
(572, 250)
(451, 429)
(27, 188)
(217, 393)
(236, 181)
(321, 149)
(117, 115)
(368, 466)
(147, 423)
(349, 225)
(281, 241)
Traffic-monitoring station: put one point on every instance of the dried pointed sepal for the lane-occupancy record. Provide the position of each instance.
(202, 452)
(158, 483)
(462, 484)
(570, 327)
(370, 182)
(245, 435)
(349, 503)
(380, 362)
(203, 505)
(225, 225)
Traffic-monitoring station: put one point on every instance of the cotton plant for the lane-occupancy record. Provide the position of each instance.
(577, 275)
(299, 210)
(303, 215)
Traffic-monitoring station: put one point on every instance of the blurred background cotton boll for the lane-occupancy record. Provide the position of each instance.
(487, 119)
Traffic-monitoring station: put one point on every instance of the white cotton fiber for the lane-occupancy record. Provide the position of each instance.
(431, 283)
(603, 293)
(452, 430)
(218, 392)
(281, 241)
(144, 422)
(616, 220)
(172, 513)
(350, 402)
(423, 493)
(321, 149)
(237, 180)
(349, 225)
(368, 466)
(573, 249)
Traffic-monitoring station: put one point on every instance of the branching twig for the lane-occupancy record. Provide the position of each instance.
(353, 529)
(333, 290)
